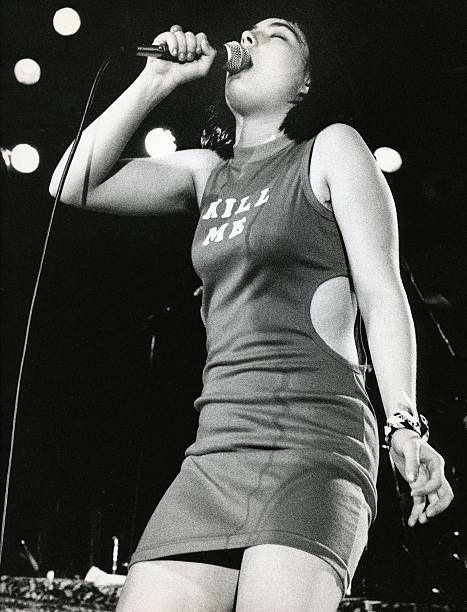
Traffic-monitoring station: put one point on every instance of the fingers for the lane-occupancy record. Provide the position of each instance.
(182, 45)
(190, 46)
(432, 499)
(437, 502)
(435, 465)
(440, 500)
(419, 501)
(171, 41)
(432, 484)
(413, 456)
(200, 38)
(185, 46)
(203, 44)
(417, 509)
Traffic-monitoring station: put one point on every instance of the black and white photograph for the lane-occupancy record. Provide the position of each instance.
(234, 297)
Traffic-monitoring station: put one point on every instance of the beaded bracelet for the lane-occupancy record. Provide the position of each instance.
(405, 420)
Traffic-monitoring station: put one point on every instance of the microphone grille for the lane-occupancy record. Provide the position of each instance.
(238, 57)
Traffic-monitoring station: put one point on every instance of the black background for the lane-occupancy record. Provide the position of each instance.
(101, 433)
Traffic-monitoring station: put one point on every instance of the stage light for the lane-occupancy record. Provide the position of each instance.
(66, 21)
(160, 142)
(27, 71)
(389, 160)
(24, 158)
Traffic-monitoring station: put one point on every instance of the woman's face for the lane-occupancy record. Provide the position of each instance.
(279, 68)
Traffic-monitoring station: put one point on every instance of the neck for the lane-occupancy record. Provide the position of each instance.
(252, 131)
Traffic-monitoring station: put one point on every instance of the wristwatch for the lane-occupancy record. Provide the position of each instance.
(405, 420)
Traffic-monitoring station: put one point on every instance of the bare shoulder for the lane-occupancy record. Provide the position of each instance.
(343, 159)
(335, 147)
(340, 141)
(195, 159)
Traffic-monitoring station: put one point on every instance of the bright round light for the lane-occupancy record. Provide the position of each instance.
(27, 71)
(66, 21)
(388, 159)
(24, 158)
(160, 142)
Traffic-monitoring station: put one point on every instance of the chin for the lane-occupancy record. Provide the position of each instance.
(243, 95)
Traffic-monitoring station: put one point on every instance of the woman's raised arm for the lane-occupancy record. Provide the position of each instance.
(141, 186)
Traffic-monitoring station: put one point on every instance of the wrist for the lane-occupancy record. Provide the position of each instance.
(404, 419)
(151, 89)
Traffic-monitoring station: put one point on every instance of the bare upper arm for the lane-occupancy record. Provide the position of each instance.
(363, 207)
(152, 186)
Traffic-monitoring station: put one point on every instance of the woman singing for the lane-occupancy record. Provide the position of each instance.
(296, 239)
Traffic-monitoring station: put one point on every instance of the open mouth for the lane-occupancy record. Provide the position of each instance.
(238, 58)
(236, 73)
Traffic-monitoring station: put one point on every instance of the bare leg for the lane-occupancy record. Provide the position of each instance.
(178, 586)
(277, 578)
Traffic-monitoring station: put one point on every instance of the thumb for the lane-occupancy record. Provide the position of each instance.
(412, 459)
(206, 46)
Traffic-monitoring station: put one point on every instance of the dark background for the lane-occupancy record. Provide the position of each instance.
(101, 432)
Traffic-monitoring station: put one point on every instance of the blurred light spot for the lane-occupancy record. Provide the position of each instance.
(27, 71)
(160, 142)
(66, 21)
(24, 158)
(456, 533)
(388, 159)
(435, 590)
(6, 156)
(437, 299)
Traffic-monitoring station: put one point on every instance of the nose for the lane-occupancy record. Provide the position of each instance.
(248, 39)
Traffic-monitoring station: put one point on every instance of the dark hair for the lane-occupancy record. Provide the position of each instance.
(330, 99)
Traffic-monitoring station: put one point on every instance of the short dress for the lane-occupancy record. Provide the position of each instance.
(286, 450)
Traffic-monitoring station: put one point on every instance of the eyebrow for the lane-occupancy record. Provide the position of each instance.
(282, 24)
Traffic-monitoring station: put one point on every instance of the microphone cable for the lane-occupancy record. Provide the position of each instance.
(89, 101)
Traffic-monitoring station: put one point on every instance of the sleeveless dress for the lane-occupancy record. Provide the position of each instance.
(287, 447)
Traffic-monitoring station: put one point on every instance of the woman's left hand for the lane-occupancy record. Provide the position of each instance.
(423, 468)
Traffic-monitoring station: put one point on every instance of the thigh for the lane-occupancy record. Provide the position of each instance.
(278, 578)
(177, 586)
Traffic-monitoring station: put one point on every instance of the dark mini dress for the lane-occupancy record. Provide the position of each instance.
(287, 448)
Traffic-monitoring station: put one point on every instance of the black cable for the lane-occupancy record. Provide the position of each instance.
(90, 99)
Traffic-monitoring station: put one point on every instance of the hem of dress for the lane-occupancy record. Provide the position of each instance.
(245, 540)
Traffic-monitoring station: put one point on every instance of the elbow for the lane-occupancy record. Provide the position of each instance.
(52, 188)
(65, 198)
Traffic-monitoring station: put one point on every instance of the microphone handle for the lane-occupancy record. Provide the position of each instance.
(158, 51)
(232, 55)
(162, 52)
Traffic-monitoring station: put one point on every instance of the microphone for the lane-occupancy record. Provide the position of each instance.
(233, 56)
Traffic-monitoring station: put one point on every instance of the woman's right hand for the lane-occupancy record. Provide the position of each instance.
(194, 57)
